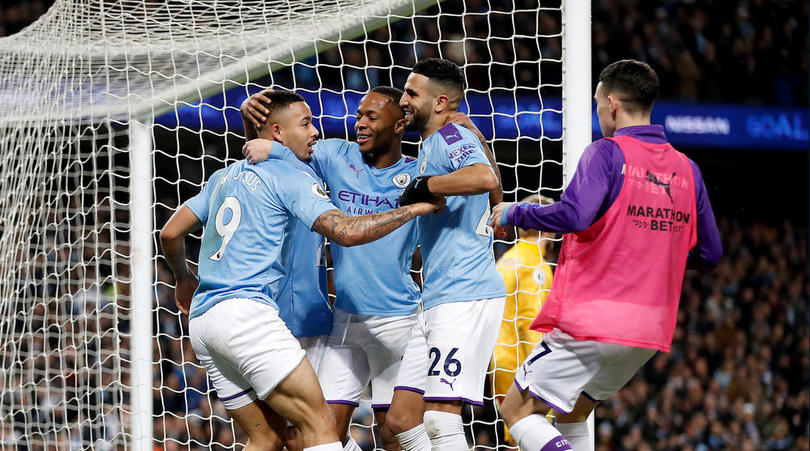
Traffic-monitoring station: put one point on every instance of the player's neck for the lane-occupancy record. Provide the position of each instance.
(385, 159)
(433, 125)
(626, 120)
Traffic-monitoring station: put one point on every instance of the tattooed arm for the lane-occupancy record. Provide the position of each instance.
(353, 230)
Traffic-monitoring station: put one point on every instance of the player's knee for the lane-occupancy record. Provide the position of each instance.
(510, 410)
(398, 421)
(313, 417)
(263, 442)
(438, 423)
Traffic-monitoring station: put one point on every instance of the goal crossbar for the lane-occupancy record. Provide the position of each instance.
(131, 92)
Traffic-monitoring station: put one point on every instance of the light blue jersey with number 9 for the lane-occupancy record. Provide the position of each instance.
(457, 243)
(245, 209)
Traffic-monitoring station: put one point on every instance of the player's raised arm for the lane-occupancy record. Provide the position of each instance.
(495, 195)
(172, 240)
(354, 230)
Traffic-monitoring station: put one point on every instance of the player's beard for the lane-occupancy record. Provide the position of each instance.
(418, 121)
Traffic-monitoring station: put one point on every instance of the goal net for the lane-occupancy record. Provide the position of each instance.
(115, 112)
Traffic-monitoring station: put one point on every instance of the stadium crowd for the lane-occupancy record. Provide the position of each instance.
(746, 51)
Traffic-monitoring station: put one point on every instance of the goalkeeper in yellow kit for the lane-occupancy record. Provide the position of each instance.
(527, 276)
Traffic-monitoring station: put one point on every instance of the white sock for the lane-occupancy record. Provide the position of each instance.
(334, 446)
(414, 439)
(446, 431)
(577, 435)
(351, 445)
(535, 433)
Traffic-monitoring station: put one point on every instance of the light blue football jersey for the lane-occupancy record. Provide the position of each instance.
(458, 263)
(246, 241)
(303, 301)
(374, 278)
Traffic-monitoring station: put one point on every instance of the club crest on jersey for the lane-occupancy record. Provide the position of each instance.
(319, 192)
(539, 276)
(401, 180)
(423, 166)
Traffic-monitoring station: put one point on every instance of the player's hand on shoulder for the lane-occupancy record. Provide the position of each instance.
(416, 191)
(257, 150)
(254, 108)
(184, 290)
(464, 121)
(498, 218)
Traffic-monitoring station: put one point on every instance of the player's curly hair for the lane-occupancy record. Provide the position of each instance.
(636, 82)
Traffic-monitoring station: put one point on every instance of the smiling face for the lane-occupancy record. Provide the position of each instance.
(417, 102)
(379, 121)
(294, 130)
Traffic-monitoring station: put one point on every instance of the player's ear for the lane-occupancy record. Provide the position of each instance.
(277, 132)
(614, 104)
(441, 103)
(399, 126)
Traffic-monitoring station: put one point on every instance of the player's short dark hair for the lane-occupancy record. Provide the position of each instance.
(280, 101)
(395, 94)
(636, 82)
(443, 71)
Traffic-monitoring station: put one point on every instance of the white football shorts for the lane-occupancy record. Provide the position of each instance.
(245, 348)
(363, 349)
(561, 368)
(314, 348)
(454, 355)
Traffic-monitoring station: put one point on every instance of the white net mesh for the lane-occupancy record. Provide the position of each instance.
(71, 83)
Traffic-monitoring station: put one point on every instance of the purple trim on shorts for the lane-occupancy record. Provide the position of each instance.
(413, 389)
(236, 395)
(591, 398)
(554, 444)
(380, 406)
(452, 398)
(539, 397)
(343, 401)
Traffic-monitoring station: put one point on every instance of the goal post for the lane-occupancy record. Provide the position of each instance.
(142, 250)
(114, 113)
(576, 100)
(576, 86)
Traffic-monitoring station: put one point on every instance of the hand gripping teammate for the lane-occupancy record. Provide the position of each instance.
(635, 215)
(255, 364)
(463, 294)
(376, 298)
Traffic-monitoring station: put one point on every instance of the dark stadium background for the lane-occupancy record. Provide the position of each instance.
(738, 374)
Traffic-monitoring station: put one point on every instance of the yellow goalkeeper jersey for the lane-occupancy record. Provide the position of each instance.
(527, 276)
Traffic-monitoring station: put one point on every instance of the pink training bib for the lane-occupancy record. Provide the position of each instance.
(620, 280)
